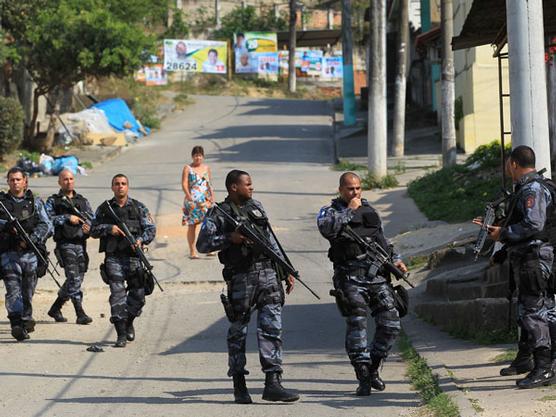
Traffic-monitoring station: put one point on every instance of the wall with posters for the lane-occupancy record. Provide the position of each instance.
(247, 47)
(201, 56)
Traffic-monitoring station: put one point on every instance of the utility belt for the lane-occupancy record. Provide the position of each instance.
(229, 271)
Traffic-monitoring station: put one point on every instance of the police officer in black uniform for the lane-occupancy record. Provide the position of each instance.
(121, 264)
(525, 236)
(20, 267)
(357, 286)
(70, 234)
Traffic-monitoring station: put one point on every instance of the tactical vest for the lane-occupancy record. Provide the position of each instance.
(240, 257)
(24, 211)
(365, 222)
(69, 232)
(131, 216)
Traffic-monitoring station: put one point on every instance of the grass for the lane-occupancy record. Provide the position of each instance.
(507, 356)
(485, 337)
(460, 193)
(86, 164)
(182, 100)
(370, 182)
(345, 165)
(422, 379)
(548, 398)
(475, 404)
(417, 262)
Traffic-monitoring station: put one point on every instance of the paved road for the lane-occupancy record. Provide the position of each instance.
(177, 365)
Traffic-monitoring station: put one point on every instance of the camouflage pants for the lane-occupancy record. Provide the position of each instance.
(260, 289)
(124, 301)
(20, 280)
(75, 261)
(361, 296)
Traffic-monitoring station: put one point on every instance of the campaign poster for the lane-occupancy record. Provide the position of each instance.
(311, 62)
(267, 65)
(332, 67)
(247, 47)
(155, 75)
(201, 56)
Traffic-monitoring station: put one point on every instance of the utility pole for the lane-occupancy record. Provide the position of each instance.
(377, 126)
(448, 85)
(347, 54)
(276, 11)
(217, 14)
(330, 18)
(293, 38)
(528, 90)
(401, 81)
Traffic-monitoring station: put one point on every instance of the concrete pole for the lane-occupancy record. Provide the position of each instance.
(347, 54)
(398, 137)
(377, 130)
(330, 19)
(528, 92)
(448, 85)
(293, 41)
(217, 20)
(276, 11)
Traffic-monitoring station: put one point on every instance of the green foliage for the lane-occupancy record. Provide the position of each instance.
(416, 262)
(422, 379)
(487, 156)
(203, 19)
(32, 156)
(370, 182)
(86, 164)
(485, 337)
(178, 29)
(11, 125)
(345, 165)
(460, 193)
(245, 20)
(507, 356)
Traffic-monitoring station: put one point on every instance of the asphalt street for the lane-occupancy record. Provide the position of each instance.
(177, 365)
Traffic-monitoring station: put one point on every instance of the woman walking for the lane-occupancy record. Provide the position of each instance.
(196, 182)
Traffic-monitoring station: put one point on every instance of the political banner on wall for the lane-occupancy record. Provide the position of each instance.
(309, 62)
(247, 47)
(332, 67)
(195, 56)
(267, 65)
(155, 75)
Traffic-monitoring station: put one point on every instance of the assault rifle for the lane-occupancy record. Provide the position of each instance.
(83, 216)
(42, 258)
(147, 266)
(377, 255)
(488, 220)
(262, 243)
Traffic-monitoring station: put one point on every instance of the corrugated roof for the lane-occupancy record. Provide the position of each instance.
(308, 38)
(487, 18)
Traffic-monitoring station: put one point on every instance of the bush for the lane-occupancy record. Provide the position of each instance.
(11, 125)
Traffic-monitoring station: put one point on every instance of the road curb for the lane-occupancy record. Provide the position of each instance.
(416, 331)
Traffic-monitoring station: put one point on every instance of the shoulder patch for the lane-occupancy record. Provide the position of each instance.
(530, 201)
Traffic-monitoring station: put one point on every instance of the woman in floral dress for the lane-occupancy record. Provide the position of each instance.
(196, 182)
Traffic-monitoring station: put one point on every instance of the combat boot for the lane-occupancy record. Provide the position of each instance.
(18, 329)
(56, 310)
(29, 325)
(120, 326)
(82, 317)
(130, 330)
(274, 391)
(375, 380)
(241, 395)
(363, 374)
(553, 357)
(522, 363)
(542, 373)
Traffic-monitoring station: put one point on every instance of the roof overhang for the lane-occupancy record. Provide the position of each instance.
(310, 38)
(486, 23)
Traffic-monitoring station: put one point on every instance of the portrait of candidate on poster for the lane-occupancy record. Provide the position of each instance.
(195, 56)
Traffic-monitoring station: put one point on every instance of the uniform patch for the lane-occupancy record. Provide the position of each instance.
(257, 213)
(150, 218)
(530, 202)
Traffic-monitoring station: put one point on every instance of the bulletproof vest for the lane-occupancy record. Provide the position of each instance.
(131, 216)
(24, 211)
(365, 222)
(69, 232)
(240, 257)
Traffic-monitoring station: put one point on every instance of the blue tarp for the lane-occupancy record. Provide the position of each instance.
(118, 113)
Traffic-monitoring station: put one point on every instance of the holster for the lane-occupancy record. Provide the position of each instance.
(103, 274)
(401, 300)
(228, 309)
(59, 257)
(148, 282)
(342, 302)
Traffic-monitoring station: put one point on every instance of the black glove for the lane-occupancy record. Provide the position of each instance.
(499, 256)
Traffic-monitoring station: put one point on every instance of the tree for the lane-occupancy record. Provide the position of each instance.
(243, 19)
(178, 29)
(66, 41)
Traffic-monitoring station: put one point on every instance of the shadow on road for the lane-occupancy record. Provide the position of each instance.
(276, 107)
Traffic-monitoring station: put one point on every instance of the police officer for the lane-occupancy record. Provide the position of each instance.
(121, 265)
(252, 284)
(18, 262)
(71, 232)
(357, 288)
(526, 242)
